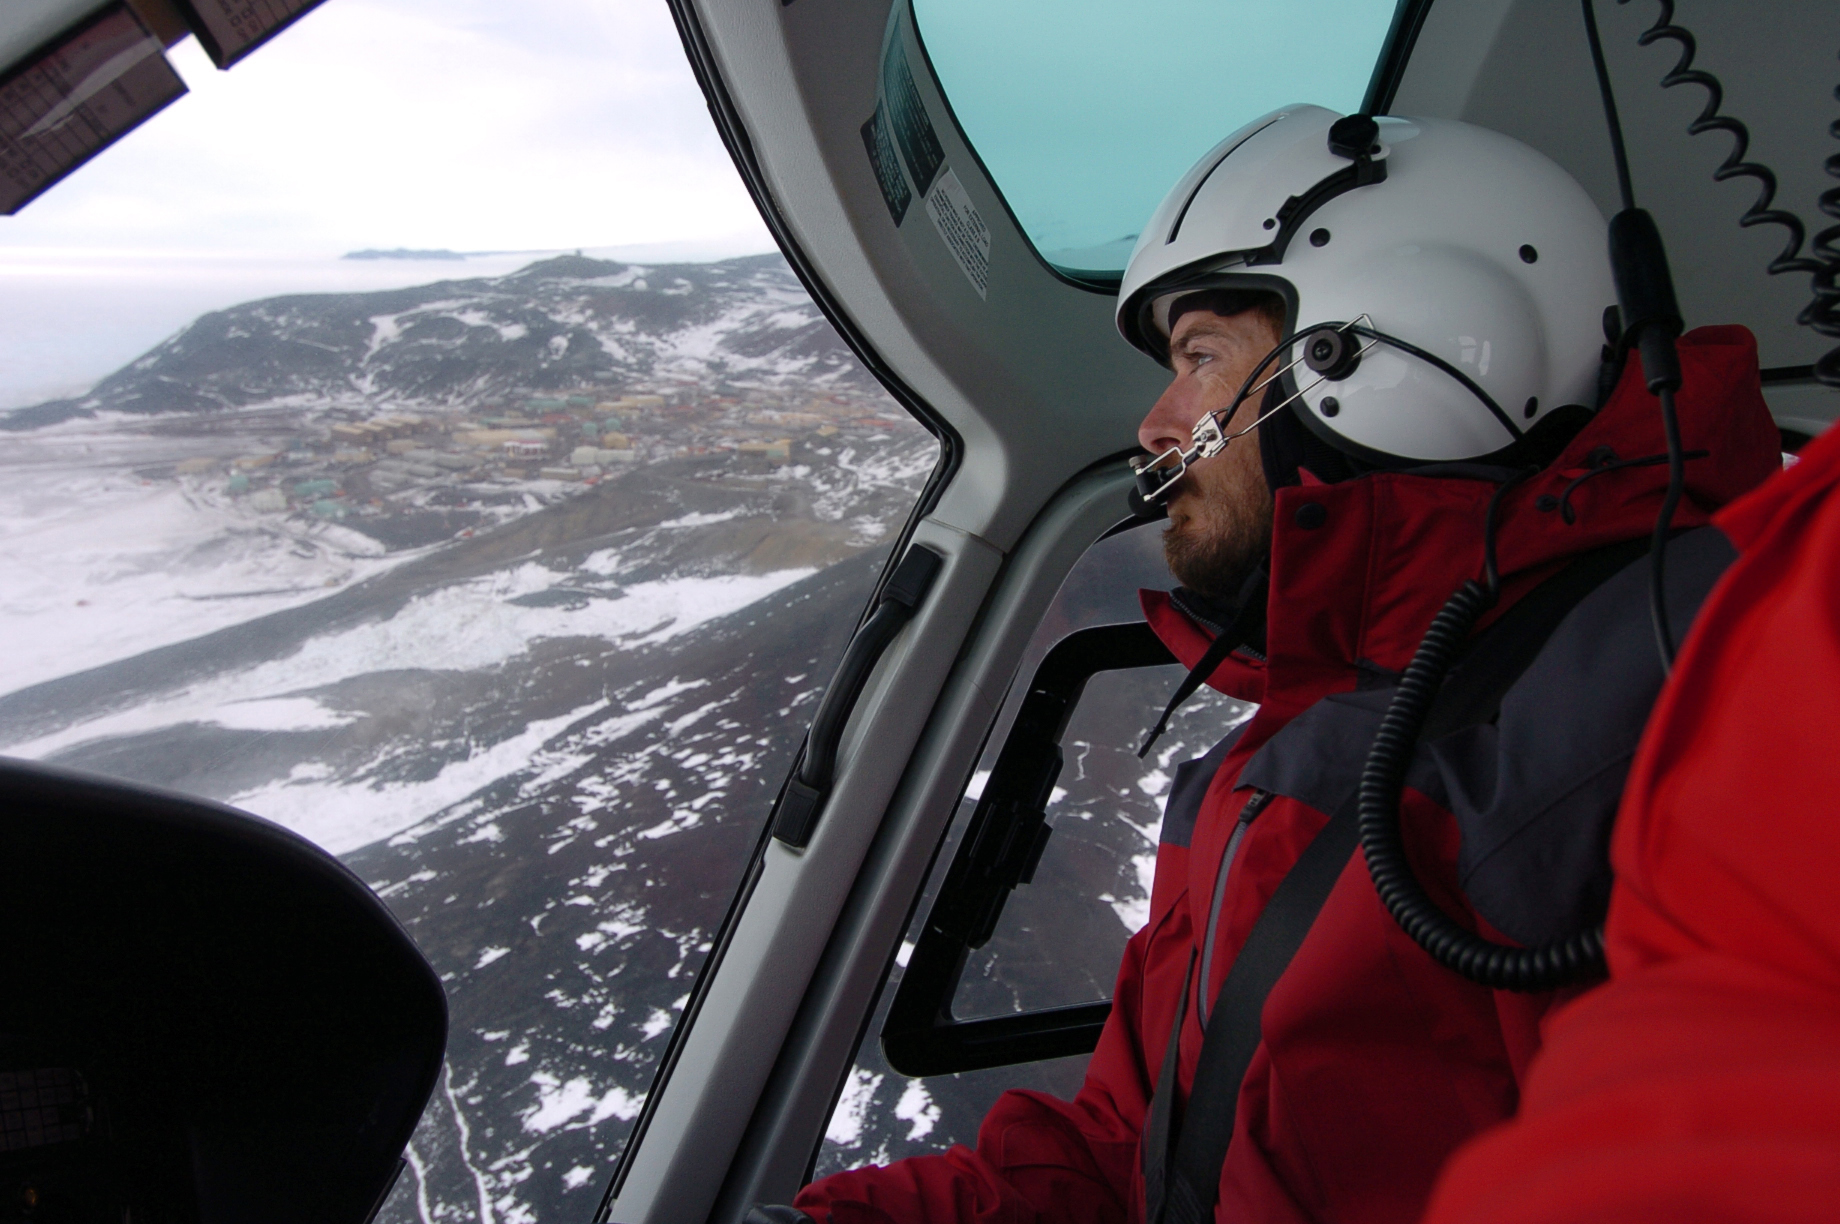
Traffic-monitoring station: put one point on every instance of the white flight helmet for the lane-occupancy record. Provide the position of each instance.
(1384, 237)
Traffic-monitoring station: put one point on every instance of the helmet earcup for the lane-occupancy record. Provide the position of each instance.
(1448, 300)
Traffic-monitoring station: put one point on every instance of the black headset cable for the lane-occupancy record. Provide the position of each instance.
(1651, 321)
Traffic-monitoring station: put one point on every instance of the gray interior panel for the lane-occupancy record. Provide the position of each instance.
(704, 1101)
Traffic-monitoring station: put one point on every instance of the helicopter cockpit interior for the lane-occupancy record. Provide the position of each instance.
(226, 1024)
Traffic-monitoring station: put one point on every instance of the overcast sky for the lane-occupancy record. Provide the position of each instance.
(470, 124)
(473, 125)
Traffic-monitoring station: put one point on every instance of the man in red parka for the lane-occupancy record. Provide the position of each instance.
(1387, 342)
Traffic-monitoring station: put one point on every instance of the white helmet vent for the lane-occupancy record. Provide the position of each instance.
(1176, 227)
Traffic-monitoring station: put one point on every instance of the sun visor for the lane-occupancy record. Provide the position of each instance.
(230, 29)
(75, 96)
(104, 76)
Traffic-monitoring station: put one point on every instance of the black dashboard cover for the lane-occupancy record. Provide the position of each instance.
(256, 1034)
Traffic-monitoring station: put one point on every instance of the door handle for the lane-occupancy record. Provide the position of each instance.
(801, 803)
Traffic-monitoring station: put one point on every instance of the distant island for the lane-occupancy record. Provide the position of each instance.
(403, 253)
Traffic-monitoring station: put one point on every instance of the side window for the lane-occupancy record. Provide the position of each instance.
(1038, 986)
(510, 578)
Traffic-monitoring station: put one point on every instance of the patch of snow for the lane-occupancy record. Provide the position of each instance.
(1134, 910)
(341, 816)
(559, 1103)
(384, 329)
(625, 921)
(678, 725)
(681, 604)
(1154, 783)
(351, 543)
(464, 627)
(277, 714)
(700, 519)
(916, 1108)
(102, 565)
(665, 692)
(852, 1112)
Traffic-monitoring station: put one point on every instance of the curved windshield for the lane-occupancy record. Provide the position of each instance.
(453, 472)
(1085, 112)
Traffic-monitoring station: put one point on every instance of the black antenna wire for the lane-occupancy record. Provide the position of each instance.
(1823, 314)
(1664, 524)
(1651, 320)
(1624, 187)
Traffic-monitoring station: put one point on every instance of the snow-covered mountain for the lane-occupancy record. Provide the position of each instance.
(558, 324)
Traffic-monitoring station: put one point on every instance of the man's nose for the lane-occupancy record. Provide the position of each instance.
(1170, 420)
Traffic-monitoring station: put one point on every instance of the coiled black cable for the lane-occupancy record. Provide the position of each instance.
(1497, 966)
(1822, 315)
(1709, 119)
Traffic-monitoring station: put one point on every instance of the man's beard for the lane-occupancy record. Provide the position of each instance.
(1215, 547)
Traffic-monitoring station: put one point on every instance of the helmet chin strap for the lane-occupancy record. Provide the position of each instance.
(1288, 448)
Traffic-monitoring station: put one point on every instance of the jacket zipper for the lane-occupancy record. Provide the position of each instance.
(1255, 803)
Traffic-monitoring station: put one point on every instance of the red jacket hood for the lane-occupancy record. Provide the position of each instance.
(1358, 590)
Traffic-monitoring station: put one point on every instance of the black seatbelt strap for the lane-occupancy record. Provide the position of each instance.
(1162, 1121)
(1182, 1187)
(1192, 1182)
(1495, 658)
